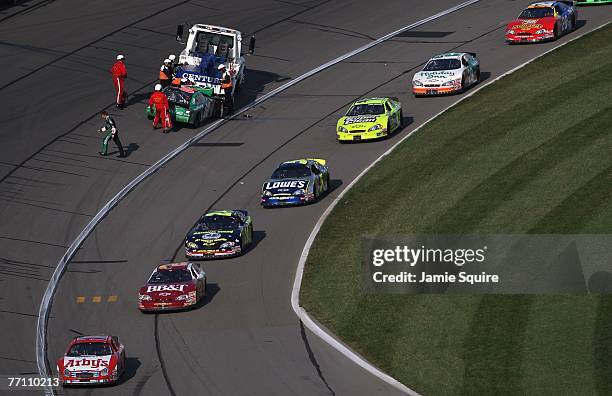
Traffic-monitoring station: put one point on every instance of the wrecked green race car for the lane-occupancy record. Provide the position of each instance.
(188, 105)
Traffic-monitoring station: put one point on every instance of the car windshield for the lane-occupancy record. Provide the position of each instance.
(291, 171)
(442, 64)
(212, 223)
(89, 349)
(178, 97)
(214, 44)
(170, 276)
(536, 13)
(366, 109)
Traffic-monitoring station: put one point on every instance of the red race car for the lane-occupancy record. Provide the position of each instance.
(173, 286)
(92, 360)
(542, 21)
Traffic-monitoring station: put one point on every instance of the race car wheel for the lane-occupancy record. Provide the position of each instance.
(388, 129)
(477, 75)
(463, 83)
(401, 120)
(556, 32)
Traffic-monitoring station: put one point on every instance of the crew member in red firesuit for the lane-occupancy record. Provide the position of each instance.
(162, 109)
(119, 73)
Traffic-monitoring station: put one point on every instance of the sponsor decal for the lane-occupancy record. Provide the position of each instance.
(212, 235)
(528, 24)
(161, 288)
(92, 363)
(286, 184)
(201, 78)
(359, 119)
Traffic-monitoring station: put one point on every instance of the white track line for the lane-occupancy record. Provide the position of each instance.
(45, 305)
(323, 333)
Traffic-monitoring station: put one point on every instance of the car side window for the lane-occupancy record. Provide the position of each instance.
(464, 60)
(315, 169)
(387, 106)
(558, 8)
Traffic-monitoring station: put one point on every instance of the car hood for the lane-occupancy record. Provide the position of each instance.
(438, 76)
(531, 25)
(285, 186)
(163, 290)
(362, 122)
(211, 239)
(89, 363)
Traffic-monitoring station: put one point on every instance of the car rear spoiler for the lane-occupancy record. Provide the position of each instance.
(320, 161)
(394, 98)
(472, 53)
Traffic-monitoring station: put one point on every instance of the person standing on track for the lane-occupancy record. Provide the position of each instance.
(227, 85)
(162, 109)
(165, 73)
(111, 133)
(119, 73)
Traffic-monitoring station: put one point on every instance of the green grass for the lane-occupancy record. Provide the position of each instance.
(531, 153)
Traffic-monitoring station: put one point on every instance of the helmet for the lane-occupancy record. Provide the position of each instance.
(158, 87)
(221, 67)
(120, 57)
(172, 57)
(166, 60)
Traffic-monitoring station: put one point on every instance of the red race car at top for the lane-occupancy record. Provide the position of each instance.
(172, 287)
(542, 21)
(92, 360)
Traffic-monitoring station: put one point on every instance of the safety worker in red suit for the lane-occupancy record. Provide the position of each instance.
(165, 74)
(119, 73)
(227, 85)
(159, 101)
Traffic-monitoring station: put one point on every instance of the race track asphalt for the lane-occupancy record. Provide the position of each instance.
(245, 340)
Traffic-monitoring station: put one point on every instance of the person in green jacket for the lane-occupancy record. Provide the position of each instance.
(111, 133)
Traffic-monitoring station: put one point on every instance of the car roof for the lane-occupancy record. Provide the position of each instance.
(173, 266)
(101, 338)
(371, 101)
(540, 4)
(449, 55)
(220, 213)
(302, 161)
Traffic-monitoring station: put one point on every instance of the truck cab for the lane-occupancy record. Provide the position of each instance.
(207, 47)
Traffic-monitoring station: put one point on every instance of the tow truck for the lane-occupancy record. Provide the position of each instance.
(206, 47)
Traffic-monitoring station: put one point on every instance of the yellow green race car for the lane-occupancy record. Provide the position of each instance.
(370, 119)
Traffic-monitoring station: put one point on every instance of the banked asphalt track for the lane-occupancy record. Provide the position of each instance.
(245, 339)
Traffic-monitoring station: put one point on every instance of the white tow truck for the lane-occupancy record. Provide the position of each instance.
(207, 47)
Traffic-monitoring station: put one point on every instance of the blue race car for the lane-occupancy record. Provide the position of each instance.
(296, 182)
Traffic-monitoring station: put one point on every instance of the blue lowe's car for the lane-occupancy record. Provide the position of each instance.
(296, 182)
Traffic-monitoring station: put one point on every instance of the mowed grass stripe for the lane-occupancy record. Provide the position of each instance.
(531, 153)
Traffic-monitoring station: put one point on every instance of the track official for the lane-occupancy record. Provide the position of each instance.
(119, 73)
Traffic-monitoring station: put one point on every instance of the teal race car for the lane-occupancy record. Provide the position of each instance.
(188, 105)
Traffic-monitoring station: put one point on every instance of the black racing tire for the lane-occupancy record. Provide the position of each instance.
(401, 119)
(477, 75)
(556, 32)
(327, 183)
(389, 131)
(463, 83)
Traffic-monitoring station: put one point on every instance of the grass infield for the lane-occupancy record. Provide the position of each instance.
(531, 153)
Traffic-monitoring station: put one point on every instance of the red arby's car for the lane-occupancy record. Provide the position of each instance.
(173, 286)
(542, 21)
(92, 360)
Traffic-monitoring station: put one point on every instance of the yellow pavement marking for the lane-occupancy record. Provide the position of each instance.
(80, 300)
(96, 299)
(112, 299)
